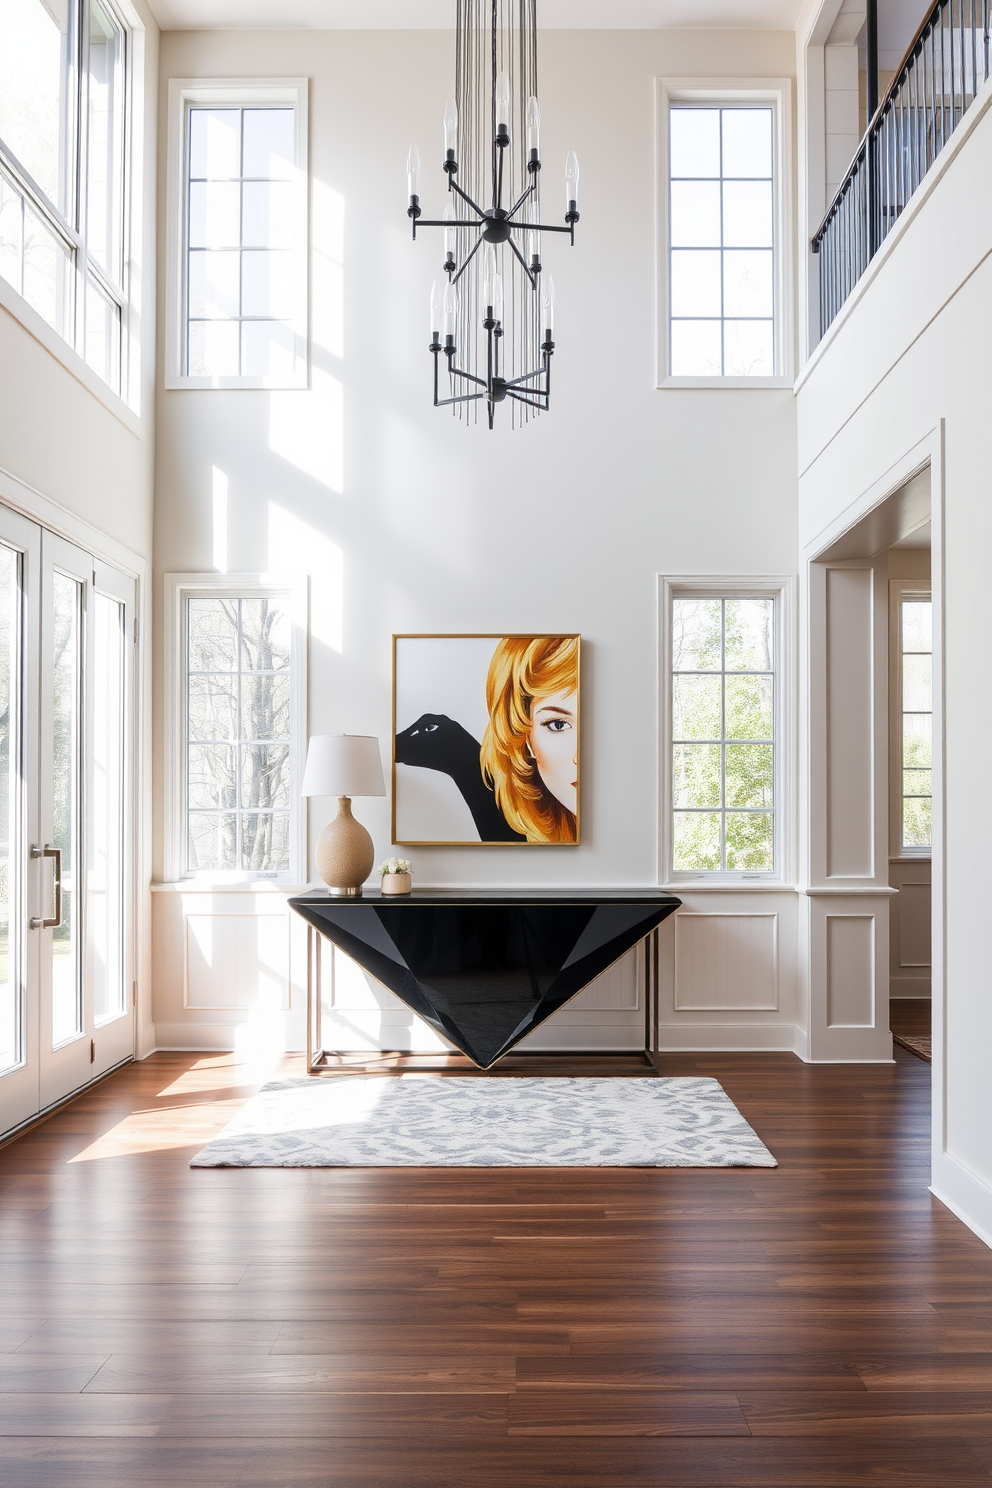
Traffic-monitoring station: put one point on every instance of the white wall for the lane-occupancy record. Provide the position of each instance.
(437, 527)
(83, 464)
(902, 378)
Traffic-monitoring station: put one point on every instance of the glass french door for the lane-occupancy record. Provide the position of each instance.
(66, 790)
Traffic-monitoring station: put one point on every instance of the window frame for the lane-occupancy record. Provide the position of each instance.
(900, 590)
(782, 590)
(231, 93)
(178, 589)
(71, 230)
(718, 93)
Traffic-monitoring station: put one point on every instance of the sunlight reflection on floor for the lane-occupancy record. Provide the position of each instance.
(190, 1122)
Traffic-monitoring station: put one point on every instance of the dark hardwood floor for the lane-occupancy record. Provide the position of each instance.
(826, 1323)
(909, 1014)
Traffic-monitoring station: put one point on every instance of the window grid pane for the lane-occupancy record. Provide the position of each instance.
(70, 216)
(721, 190)
(723, 747)
(240, 270)
(238, 769)
(916, 647)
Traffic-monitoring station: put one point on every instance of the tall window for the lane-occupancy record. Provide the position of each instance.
(62, 189)
(916, 711)
(240, 283)
(722, 248)
(723, 738)
(238, 718)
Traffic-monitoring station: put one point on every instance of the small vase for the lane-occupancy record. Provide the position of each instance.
(396, 883)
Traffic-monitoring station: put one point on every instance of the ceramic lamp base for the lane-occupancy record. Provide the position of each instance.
(345, 853)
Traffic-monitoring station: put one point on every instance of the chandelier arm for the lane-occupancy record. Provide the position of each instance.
(540, 400)
(454, 186)
(478, 245)
(427, 222)
(523, 263)
(469, 377)
(543, 227)
(525, 377)
(461, 398)
(517, 205)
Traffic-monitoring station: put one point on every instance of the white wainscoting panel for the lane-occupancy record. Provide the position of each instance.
(850, 971)
(850, 736)
(237, 961)
(726, 962)
(614, 991)
(914, 925)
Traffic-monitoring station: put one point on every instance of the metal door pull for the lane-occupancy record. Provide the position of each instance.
(38, 922)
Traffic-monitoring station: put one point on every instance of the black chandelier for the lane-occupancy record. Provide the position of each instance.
(492, 254)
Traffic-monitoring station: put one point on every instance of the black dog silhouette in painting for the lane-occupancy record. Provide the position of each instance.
(436, 742)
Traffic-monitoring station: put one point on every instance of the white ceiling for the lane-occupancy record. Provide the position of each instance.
(428, 15)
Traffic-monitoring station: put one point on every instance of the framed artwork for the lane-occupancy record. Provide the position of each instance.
(485, 739)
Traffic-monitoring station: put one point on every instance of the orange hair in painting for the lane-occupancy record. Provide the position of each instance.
(524, 669)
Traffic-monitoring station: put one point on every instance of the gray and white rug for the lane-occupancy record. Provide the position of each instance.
(390, 1121)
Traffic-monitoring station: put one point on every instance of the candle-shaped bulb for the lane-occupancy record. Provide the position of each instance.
(533, 236)
(533, 126)
(437, 309)
(449, 235)
(489, 279)
(572, 182)
(450, 125)
(548, 308)
(503, 104)
(450, 310)
(413, 171)
(498, 298)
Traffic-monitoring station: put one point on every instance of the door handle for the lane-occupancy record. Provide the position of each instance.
(39, 922)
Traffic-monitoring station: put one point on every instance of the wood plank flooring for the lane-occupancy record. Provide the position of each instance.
(826, 1324)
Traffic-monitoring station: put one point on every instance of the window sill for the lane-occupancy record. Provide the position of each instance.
(225, 886)
(728, 886)
(19, 309)
(749, 384)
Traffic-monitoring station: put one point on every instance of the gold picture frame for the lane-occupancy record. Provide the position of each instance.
(469, 763)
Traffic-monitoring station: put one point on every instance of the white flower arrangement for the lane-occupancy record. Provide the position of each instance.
(395, 865)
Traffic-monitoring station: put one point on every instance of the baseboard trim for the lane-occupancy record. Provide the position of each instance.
(966, 1195)
(30, 1122)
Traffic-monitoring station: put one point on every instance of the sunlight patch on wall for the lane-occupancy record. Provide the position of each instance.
(307, 429)
(296, 548)
(327, 285)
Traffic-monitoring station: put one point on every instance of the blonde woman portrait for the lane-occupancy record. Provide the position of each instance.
(496, 756)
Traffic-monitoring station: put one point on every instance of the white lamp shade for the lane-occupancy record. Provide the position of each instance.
(343, 765)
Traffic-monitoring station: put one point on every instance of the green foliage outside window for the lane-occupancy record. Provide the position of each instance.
(723, 733)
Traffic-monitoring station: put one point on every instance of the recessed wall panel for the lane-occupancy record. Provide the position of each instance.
(237, 961)
(726, 962)
(850, 729)
(850, 971)
(914, 926)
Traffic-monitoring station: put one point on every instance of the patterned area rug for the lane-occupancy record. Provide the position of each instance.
(916, 1043)
(388, 1121)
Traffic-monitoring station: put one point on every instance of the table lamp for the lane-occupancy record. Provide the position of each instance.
(344, 765)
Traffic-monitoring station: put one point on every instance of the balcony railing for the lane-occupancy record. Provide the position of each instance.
(944, 69)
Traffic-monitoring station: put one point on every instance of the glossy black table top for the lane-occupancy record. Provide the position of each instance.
(494, 896)
(484, 967)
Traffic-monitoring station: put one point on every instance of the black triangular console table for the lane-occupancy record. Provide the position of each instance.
(484, 969)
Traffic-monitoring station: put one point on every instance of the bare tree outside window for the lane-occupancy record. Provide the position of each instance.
(238, 735)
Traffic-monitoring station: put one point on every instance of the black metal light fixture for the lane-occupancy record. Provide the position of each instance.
(492, 254)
